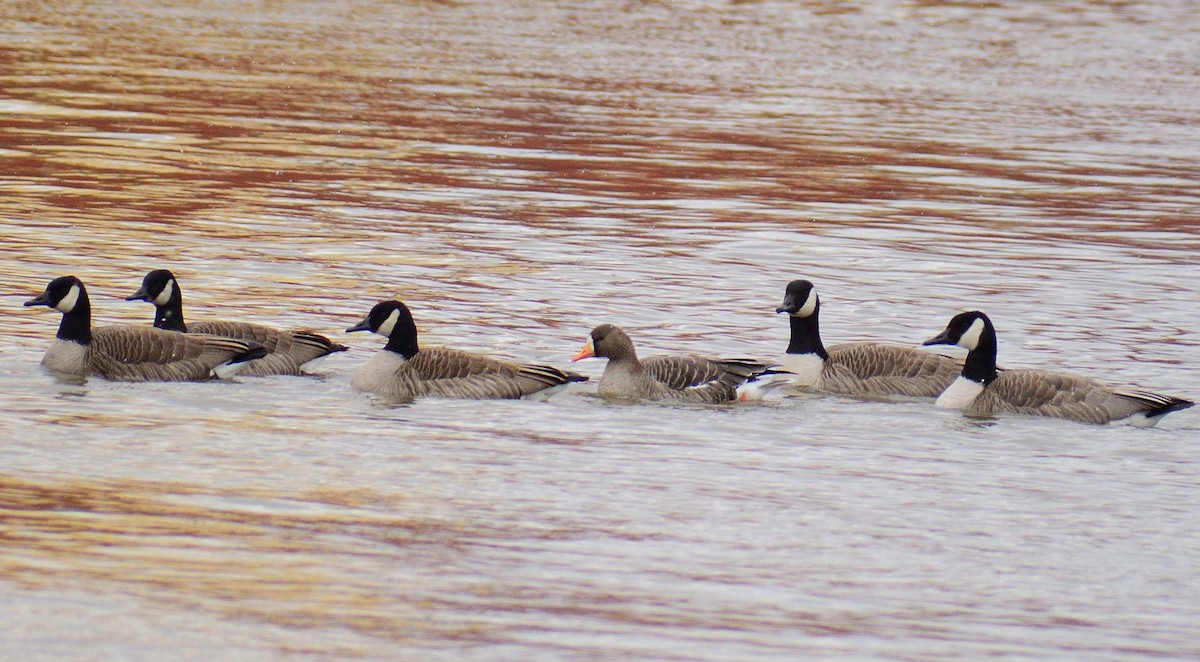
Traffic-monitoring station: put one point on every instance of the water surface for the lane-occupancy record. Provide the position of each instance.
(518, 175)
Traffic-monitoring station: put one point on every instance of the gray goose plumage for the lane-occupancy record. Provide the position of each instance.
(982, 389)
(684, 378)
(403, 370)
(859, 368)
(290, 351)
(132, 353)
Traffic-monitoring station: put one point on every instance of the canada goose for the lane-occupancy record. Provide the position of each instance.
(402, 370)
(981, 389)
(291, 352)
(859, 368)
(686, 378)
(133, 353)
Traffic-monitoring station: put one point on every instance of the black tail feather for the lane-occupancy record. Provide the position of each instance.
(256, 351)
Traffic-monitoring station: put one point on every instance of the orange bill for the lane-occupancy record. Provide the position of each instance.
(587, 352)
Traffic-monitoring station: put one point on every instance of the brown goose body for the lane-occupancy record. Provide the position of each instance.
(454, 374)
(683, 378)
(402, 370)
(290, 351)
(129, 353)
(881, 370)
(1062, 395)
(444, 363)
(133, 353)
(981, 388)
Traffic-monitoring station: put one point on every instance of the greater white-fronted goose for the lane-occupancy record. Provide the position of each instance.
(291, 351)
(133, 353)
(403, 370)
(860, 368)
(982, 389)
(685, 378)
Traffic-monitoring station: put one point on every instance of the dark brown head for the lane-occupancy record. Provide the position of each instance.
(607, 341)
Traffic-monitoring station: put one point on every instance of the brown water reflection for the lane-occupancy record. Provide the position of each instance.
(244, 554)
(520, 173)
(215, 116)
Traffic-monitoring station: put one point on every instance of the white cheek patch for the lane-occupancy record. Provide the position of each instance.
(164, 297)
(970, 338)
(810, 305)
(385, 329)
(67, 303)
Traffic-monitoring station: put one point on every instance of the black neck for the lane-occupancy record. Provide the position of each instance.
(806, 335)
(980, 365)
(76, 325)
(169, 317)
(402, 342)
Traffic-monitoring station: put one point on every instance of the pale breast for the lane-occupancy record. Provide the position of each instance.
(378, 372)
(66, 357)
(960, 394)
(623, 382)
(806, 368)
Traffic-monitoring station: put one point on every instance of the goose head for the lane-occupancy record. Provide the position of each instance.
(392, 320)
(158, 287)
(606, 341)
(799, 299)
(62, 294)
(965, 330)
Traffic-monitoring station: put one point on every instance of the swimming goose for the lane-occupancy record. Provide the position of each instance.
(133, 353)
(685, 378)
(403, 370)
(859, 368)
(291, 352)
(981, 389)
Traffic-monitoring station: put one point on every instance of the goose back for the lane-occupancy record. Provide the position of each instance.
(683, 378)
(875, 369)
(679, 372)
(1064, 395)
(455, 374)
(528, 380)
(131, 353)
(444, 363)
(290, 352)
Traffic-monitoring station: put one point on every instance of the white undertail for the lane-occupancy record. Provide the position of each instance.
(227, 369)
